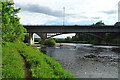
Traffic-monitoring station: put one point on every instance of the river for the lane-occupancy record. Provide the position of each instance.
(87, 60)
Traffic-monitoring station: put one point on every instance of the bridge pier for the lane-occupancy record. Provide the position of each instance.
(42, 35)
(31, 38)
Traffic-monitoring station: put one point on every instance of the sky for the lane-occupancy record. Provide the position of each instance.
(77, 12)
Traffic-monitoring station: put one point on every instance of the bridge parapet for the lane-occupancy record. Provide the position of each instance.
(71, 29)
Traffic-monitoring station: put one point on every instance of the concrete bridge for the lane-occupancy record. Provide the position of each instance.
(43, 30)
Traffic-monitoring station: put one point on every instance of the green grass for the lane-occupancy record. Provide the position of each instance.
(12, 66)
(0, 61)
(40, 65)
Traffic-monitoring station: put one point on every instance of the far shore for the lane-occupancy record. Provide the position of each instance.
(57, 45)
(65, 46)
(103, 43)
(62, 45)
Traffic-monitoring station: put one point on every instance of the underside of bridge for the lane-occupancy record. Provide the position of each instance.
(44, 36)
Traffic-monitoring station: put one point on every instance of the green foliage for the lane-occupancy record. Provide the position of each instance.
(50, 42)
(80, 38)
(39, 40)
(26, 38)
(36, 39)
(68, 39)
(113, 38)
(100, 22)
(59, 40)
(39, 64)
(11, 28)
(75, 38)
(12, 65)
(110, 38)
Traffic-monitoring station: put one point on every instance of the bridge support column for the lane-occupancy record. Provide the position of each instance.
(31, 36)
(42, 35)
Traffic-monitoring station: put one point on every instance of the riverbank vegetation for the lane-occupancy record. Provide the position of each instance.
(69, 40)
(39, 65)
(50, 42)
(93, 38)
(19, 57)
(98, 38)
(12, 65)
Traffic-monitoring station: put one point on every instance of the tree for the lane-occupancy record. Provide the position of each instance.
(100, 23)
(68, 39)
(12, 30)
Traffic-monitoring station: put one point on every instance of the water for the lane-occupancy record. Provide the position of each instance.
(87, 60)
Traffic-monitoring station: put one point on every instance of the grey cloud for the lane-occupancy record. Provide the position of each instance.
(42, 9)
(110, 12)
(78, 16)
(95, 17)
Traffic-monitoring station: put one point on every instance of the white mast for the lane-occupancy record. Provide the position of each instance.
(119, 11)
(63, 15)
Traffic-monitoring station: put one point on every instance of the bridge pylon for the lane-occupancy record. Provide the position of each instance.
(31, 38)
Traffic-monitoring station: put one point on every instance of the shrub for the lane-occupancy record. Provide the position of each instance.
(50, 42)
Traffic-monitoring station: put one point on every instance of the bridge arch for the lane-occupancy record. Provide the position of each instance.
(91, 34)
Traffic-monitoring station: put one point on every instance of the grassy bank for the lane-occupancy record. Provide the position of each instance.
(40, 65)
(12, 66)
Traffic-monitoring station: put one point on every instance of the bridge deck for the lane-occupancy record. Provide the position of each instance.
(70, 28)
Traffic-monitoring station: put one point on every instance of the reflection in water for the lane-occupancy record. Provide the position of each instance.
(103, 64)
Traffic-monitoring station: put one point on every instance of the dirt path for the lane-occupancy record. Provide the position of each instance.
(28, 75)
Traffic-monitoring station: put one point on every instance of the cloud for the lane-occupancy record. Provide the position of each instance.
(51, 11)
(110, 12)
(34, 18)
(42, 9)
(95, 17)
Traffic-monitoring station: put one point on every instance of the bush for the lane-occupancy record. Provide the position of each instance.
(50, 42)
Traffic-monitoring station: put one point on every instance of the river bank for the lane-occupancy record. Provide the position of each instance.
(87, 60)
(21, 61)
(62, 45)
(85, 42)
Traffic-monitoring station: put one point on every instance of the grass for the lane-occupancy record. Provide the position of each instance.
(12, 66)
(39, 64)
(0, 61)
